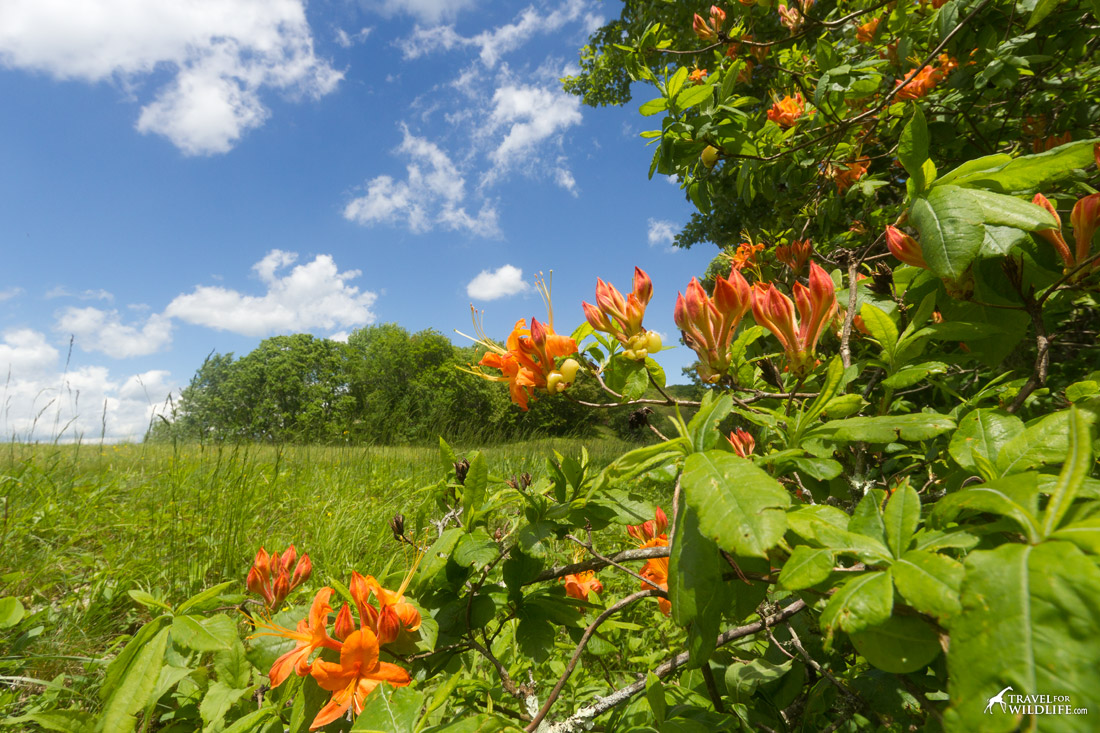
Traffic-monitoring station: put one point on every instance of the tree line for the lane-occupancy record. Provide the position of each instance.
(384, 385)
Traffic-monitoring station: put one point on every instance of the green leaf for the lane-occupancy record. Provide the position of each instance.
(822, 469)
(834, 377)
(739, 505)
(206, 597)
(881, 327)
(983, 432)
(695, 586)
(232, 666)
(118, 668)
(703, 427)
(929, 582)
(676, 82)
(390, 710)
(886, 429)
(807, 566)
(692, 96)
(213, 634)
(250, 723)
(910, 375)
(900, 645)
(1045, 440)
(11, 611)
(863, 601)
(867, 517)
(1007, 211)
(655, 696)
(1030, 620)
(148, 600)
(901, 517)
(913, 147)
(653, 106)
(135, 681)
(1074, 472)
(976, 167)
(949, 220)
(447, 457)
(742, 679)
(473, 489)
(868, 549)
(217, 701)
(1015, 497)
(435, 559)
(1085, 534)
(66, 721)
(1029, 173)
(480, 723)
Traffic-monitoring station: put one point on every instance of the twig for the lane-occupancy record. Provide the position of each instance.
(588, 546)
(850, 315)
(639, 553)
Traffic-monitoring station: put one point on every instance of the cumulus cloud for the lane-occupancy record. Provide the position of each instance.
(662, 232)
(432, 195)
(494, 43)
(44, 401)
(500, 283)
(221, 53)
(531, 115)
(311, 296)
(104, 331)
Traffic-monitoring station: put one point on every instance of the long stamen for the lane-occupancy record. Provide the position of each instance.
(408, 577)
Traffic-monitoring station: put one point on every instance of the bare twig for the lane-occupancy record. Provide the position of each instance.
(640, 553)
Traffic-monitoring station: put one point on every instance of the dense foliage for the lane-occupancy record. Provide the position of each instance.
(884, 512)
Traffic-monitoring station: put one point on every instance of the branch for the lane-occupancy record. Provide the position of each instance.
(641, 553)
(581, 720)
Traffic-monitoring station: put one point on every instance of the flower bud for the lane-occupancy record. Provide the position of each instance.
(702, 29)
(905, 248)
(280, 589)
(1085, 218)
(1054, 236)
(742, 441)
(653, 342)
(302, 571)
(288, 557)
(344, 624)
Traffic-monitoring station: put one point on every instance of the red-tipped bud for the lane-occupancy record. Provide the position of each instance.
(1085, 218)
(743, 443)
(597, 319)
(795, 255)
(539, 333)
(344, 624)
(703, 29)
(905, 248)
(643, 286)
(610, 300)
(717, 17)
(262, 562)
(660, 522)
(280, 589)
(1054, 236)
(774, 311)
(286, 560)
(255, 584)
(302, 571)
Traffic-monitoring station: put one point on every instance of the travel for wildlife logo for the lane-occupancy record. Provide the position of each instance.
(1032, 704)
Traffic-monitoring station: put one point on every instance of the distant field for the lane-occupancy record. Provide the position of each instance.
(83, 524)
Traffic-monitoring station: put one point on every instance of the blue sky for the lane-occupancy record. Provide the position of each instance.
(178, 179)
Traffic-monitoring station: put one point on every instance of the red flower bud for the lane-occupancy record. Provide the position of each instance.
(302, 571)
(1054, 236)
(905, 248)
(1085, 218)
(344, 624)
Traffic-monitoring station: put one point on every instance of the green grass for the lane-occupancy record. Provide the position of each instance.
(84, 524)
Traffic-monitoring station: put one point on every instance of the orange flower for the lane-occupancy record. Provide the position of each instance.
(656, 572)
(799, 336)
(311, 634)
(357, 674)
(795, 255)
(1085, 218)
(785, 112)
(622, 317)
(1054, 236)
(924, 82)
(651, 529)
(708, 323)
(709, 31)
(743, 443)
(579, 585)
(866, 32)
(270, 576)
(698, 76)
(852, 172)
(1041, 145)
(745, 255)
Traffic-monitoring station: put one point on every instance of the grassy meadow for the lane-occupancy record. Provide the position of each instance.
(85, 523)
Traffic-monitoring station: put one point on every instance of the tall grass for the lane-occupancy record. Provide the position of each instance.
(84, 523)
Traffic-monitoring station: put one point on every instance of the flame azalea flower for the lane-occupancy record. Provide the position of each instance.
(270, 576)
(852, 172)
(357, 674)
(708, 323)
(866, 32)
(790, 17)
(926, 79)
(745, 256)
(816, 307)
(795, 255)
(743, 443)
(622, 317)
(579, 585)
(1054, 236)
(311, 634)
(651, 529)
(656, 572)
(905, 248)
(698, 76)
(394, 614)
(785, 112)
(528, 359)
(709, 31)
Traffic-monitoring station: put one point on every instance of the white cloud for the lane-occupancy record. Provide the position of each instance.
(312, 296)
(62, 292)
(104, 331)
(493, 44)
(222, 54)
(431, 196)
(662, 233)
(532, 115)
(500, 283)
(42, 401)
(10, 293)
(429, 11)
(347, 40)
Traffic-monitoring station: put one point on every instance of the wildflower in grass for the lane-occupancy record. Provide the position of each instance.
(270, 575)
(866, 32)
(622, 317)
(579, 585)
(799, 336)
(311, 634)
(394, 613)
(795, 255)
(905, 248)
(707, 323)
(785, 112)
(742, 441)
(354, 677)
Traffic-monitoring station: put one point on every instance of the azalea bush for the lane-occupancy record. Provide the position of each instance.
(884, 512)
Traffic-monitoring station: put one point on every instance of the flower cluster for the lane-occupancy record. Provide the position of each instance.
(528, 361)
(795, 255)
(742, 442)
(271, 578)
(708, 322)
(708, 31)
(622, 317)
(786, 112)
(652, 534)
(926, 79)
(359, 670)
(745, 256)
(866, 32)
(816, 306)
(846, 174)
(579, 585)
